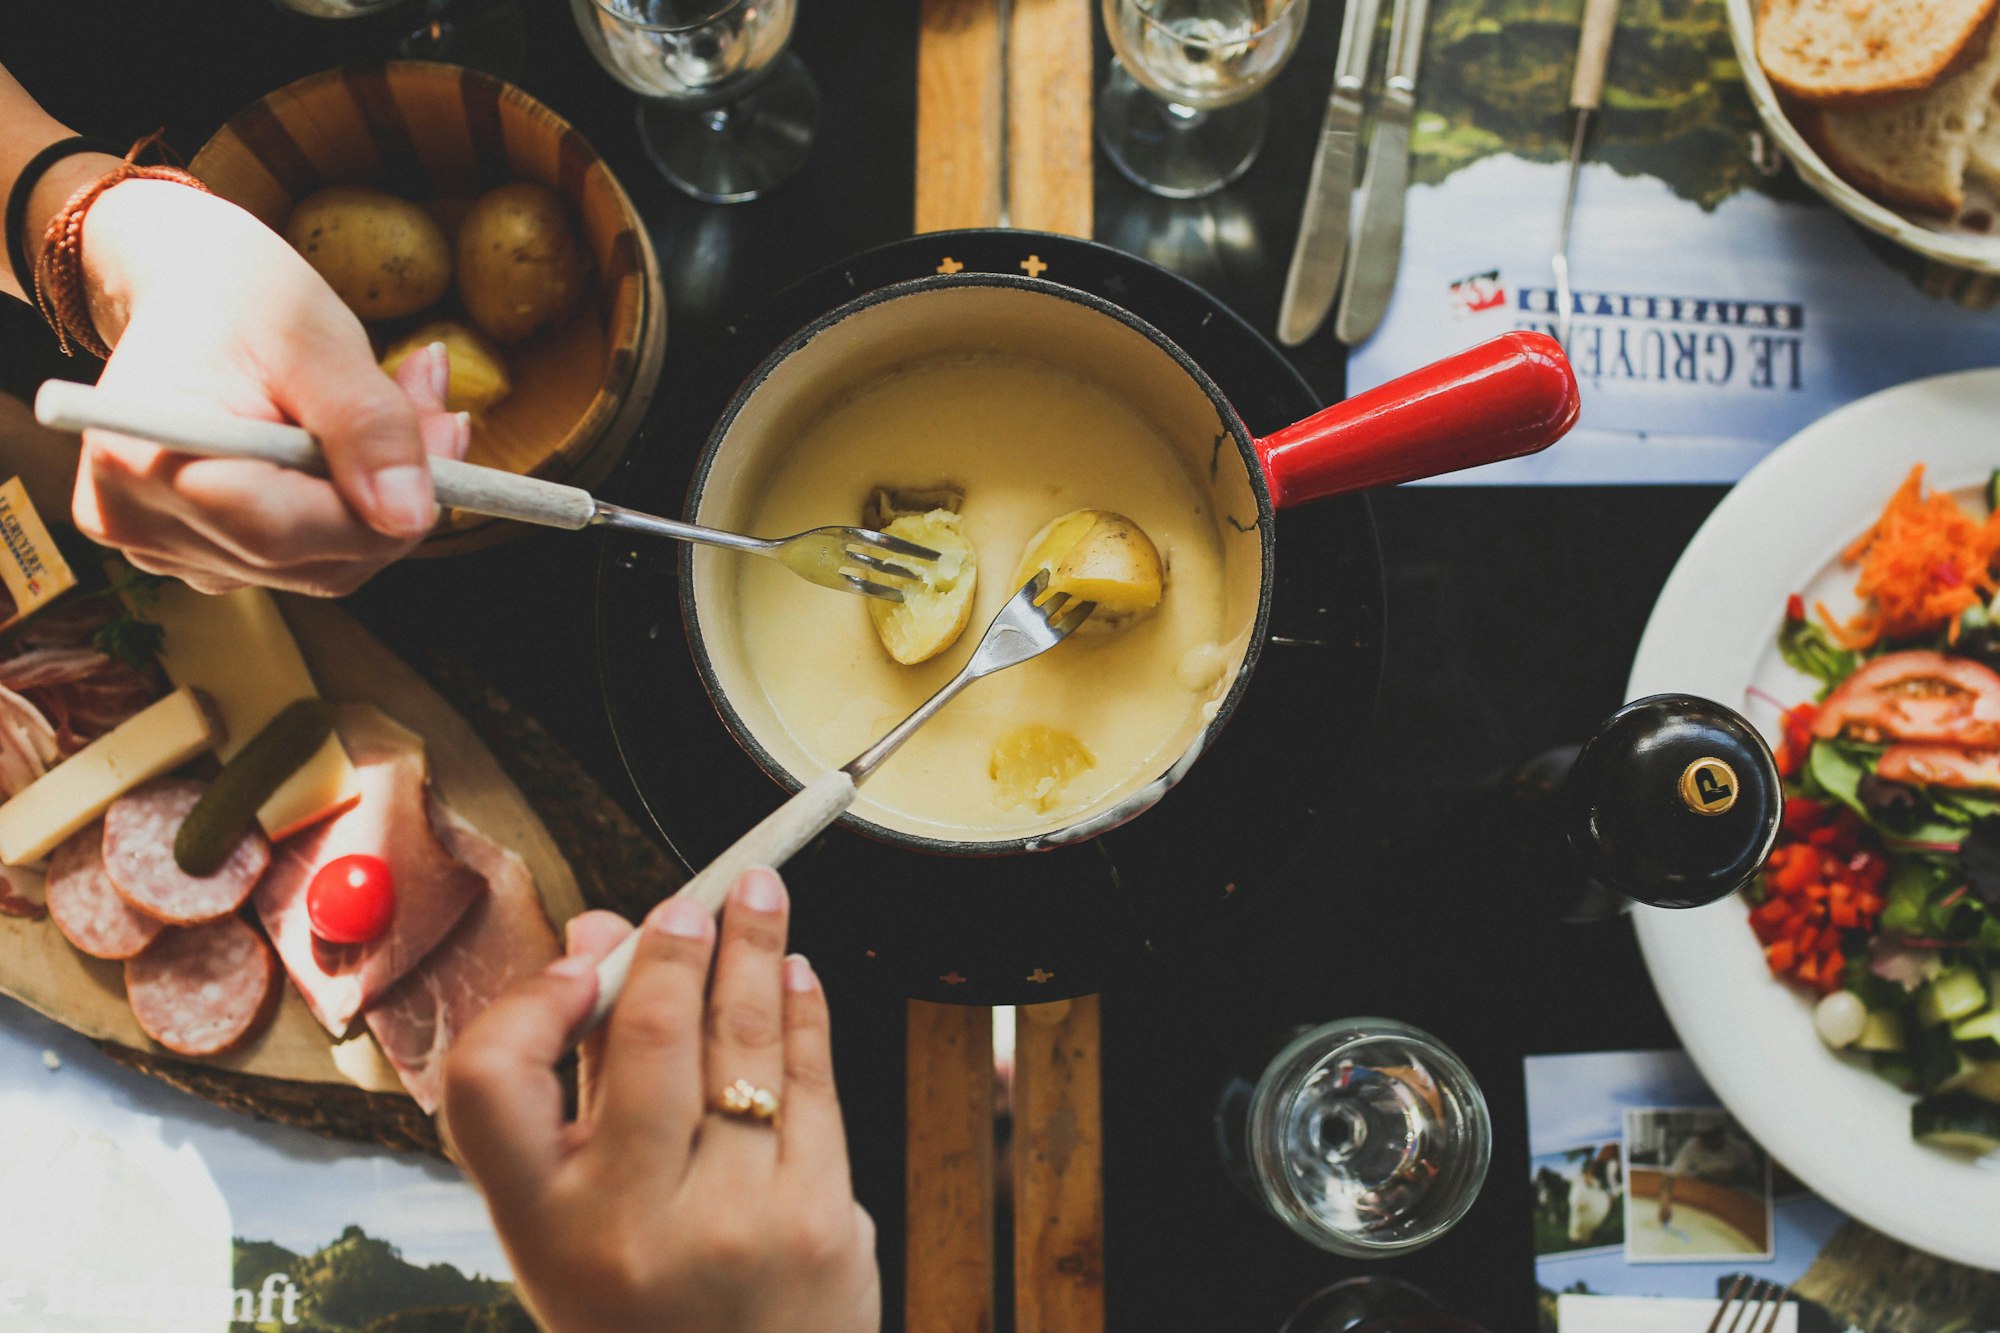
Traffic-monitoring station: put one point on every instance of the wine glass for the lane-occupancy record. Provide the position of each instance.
(1374, 1305)
(1179, 114)
(490, 35)
(1366, 1136)
(335, 9)
(726, 113)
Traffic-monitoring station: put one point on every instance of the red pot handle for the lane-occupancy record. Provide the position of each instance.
(1501, 399)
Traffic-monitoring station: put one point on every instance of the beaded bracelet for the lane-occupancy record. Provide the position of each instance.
(60, 290)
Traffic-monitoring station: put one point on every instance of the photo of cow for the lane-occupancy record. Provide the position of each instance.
(1579, 1199)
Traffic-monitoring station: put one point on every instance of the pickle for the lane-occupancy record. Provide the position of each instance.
(229, 807)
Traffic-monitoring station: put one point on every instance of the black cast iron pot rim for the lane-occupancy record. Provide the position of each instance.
(1150, 793)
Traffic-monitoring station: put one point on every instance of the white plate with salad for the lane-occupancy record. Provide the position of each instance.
(1885, 890)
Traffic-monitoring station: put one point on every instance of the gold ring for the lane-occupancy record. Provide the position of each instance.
(746, 1101)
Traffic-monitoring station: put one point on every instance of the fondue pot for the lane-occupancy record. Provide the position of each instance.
(1511, 396)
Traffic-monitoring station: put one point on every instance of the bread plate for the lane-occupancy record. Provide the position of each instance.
(1713, 632)
(1948, 241)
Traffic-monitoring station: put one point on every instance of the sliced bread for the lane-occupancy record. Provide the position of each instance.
(1854, 51)
(1912, 153)
(1983, 163)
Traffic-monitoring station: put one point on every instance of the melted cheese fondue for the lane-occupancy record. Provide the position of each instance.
(1024, 442)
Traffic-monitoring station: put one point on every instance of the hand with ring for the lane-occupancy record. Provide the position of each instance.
(703, 1185)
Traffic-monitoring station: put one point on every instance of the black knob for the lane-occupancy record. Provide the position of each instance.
(1674, 802)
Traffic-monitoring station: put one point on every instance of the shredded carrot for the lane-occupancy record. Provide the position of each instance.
(1923, 563)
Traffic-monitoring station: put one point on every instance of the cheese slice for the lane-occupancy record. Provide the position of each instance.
(142, 747)
(235, 649)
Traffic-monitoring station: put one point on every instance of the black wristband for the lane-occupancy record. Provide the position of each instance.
(24, 185)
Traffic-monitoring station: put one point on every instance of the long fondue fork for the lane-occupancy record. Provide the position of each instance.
(818, 556)
(1022, 630)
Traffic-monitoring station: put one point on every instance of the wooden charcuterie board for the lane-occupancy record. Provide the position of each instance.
(293, 1071)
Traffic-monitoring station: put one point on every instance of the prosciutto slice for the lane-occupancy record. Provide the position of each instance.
(392, 820)
(27, 743)
(503, 937)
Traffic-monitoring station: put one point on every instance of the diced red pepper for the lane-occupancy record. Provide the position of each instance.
(1802, 813)
(1795, 607)
(1821, 884)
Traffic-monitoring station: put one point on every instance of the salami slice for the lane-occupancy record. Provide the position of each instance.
(200, 990)
(84, 906)
(139, 831)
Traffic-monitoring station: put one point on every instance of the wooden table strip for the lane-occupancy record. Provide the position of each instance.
(948, 1171)
(1058, 1121)
(958, 115)
(1049, 115)
(1058, 1169)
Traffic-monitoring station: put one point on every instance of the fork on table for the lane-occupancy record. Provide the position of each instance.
(825, 556)
(1738, 1297)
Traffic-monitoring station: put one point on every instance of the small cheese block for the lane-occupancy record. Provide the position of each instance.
(235, 649)
(158, 740)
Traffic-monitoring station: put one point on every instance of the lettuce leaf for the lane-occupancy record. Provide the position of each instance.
(1809, 649)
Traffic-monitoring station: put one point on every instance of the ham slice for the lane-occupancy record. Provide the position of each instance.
(503, 937)
(391, 820)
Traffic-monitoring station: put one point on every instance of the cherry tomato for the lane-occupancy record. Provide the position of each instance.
(351, 899)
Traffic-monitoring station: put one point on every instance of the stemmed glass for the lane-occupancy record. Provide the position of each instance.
(1367, 1137)
(1179, 114)
(485, 34)
(726, 113)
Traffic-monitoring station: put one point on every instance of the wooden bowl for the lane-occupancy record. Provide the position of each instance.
(442, 135)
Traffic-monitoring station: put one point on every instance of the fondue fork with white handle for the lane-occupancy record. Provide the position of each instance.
(1025, 628)
(821, 555)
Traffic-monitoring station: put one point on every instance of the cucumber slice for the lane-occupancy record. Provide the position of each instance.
(1935, 1058)
(1957, 1121)
(1985, 1023)
(1954, 993)
(1982, 1081)
(1894, 1066)
(1963, 1069)
(1882, 1032)
(1993, 492)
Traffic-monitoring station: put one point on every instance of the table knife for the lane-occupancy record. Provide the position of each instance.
(1321, 249)
(1586, 89)
(1376, 248)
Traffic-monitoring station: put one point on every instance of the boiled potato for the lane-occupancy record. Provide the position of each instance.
(478, 371)
(937, 605)
(519, 264)
(1097, 556)
(1032, 763)
(384, 256)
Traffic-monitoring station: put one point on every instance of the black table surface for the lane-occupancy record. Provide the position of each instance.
(1513, 616)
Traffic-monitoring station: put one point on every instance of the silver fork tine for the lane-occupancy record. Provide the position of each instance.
(870, 589)
(1075, 617)
(1776, 1307)
(880, 566)
(1055, 603)
(882, 541)
(1728, 1298)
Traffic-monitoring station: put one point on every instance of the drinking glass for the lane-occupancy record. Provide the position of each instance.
(1366, 1136)
(1179, 113)
(335, 9)
(725, 112)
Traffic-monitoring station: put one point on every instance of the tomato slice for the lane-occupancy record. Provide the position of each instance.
(1940, 766)
(1916, 696)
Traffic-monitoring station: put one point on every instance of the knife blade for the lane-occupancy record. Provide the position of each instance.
(1321, 249)
(1376, 248)
(1586, 90)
